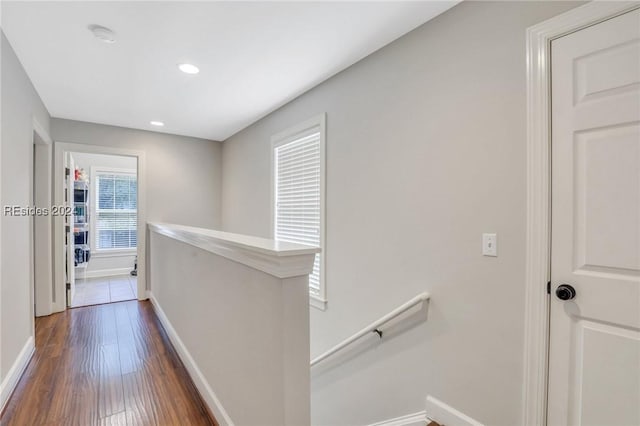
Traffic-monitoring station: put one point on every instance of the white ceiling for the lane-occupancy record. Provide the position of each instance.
(253, 56)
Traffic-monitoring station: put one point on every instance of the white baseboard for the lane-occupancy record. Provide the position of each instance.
(444, 414)
(104, 273)
(436, 411)
(10, 382)
(415, 419)
(198, 378)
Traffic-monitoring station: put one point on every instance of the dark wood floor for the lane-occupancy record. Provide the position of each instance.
(105, 365)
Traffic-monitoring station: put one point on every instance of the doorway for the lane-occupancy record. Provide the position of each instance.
(582, 317)
(594, 87)
(99, 249)
(41, 230)
(594, 345)
(102, 240)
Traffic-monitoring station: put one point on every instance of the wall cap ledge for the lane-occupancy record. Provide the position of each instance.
(277, 258)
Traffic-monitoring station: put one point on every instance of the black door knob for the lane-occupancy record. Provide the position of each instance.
(565, 292)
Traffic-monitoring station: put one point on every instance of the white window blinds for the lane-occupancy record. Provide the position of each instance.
(297, 167)
(116, 211)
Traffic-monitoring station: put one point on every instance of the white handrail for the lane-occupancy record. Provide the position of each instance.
(422, 297)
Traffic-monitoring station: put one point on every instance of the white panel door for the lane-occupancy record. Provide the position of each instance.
(594, 359)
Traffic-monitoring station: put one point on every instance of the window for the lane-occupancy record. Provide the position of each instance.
(116, 210)
(298, 194)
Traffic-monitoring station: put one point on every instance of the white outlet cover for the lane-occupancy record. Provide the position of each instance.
(490, 245)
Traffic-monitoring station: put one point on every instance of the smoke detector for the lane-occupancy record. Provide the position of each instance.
(103, 34)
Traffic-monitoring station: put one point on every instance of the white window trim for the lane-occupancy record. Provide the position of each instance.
(281, 138)
(95, 251)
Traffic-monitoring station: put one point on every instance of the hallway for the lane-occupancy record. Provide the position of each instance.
(107, 364)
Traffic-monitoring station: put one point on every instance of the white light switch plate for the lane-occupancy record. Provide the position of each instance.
(490, 245)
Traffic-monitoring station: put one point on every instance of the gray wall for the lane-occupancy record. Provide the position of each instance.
(184, 174)
(20, 105)
(425, 152)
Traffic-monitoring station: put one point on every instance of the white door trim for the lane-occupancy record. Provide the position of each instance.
(40, 130)
(536, 334)
(60, 149)
(42, 252)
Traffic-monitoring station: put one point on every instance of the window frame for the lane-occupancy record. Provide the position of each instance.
(289, 135)
(93, 231)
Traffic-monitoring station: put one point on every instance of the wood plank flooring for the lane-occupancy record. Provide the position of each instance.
(107, 364)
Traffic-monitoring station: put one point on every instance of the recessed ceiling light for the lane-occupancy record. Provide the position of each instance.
(103, 34)
(189, 68)
(157, 123)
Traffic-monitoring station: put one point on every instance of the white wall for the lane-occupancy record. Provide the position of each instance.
(20, 105)
(104, 264)
(184, 174)
(425, 152)
(85, 160)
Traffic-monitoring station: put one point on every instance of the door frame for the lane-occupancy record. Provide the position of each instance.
(538, 249)
(41, 227)
(60, 150)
